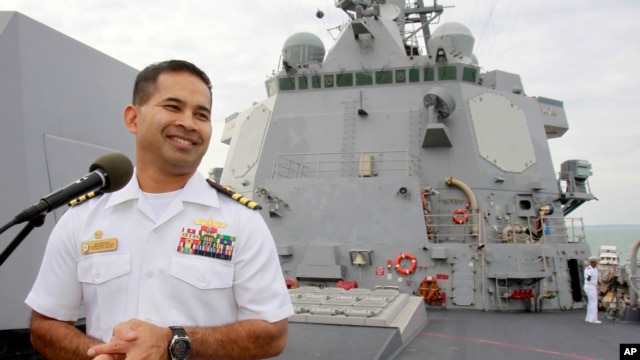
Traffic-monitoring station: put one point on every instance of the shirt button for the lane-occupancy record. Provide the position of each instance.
(202, 279)
(149, 274)
(97, 276)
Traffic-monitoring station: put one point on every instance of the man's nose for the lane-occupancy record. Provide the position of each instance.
(187, 120)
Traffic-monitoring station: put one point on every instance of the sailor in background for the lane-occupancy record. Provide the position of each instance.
(591, 289)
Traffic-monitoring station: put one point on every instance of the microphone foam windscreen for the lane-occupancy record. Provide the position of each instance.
(118, 168)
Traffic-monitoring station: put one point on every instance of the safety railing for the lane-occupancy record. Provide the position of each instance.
(452, 228)
(345, 164)
(459, 228)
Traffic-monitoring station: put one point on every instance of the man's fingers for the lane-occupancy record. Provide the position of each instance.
(105, 357)
(130, 336)
(114, 346)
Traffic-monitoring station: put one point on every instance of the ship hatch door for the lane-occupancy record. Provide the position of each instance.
(463, 283)
(574, 273)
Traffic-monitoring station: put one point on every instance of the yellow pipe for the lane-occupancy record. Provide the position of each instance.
(473, 202)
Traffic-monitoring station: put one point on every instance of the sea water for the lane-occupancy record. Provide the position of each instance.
(622, 236)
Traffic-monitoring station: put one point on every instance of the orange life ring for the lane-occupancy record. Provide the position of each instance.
(460, 216)
(411, 268)
(291, 283)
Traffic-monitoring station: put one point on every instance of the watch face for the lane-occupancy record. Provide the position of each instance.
(180, 348)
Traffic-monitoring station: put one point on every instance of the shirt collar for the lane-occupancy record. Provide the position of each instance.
(196, 190)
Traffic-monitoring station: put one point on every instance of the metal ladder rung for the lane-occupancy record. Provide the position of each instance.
(501, 290)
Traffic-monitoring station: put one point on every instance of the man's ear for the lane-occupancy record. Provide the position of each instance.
(131, 118)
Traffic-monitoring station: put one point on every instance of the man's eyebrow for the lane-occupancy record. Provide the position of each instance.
(173, 99)
(204, 109)
(182, 102)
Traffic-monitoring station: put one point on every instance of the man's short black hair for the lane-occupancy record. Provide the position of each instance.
(145, 84)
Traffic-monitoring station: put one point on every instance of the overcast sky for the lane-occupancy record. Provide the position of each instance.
(582, 52)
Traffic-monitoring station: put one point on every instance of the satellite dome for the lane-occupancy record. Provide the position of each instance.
(462, 38)
(303, 48)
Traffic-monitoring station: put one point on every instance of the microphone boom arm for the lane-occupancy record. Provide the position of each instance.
(33, 223)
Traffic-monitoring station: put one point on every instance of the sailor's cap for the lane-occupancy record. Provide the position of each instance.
(593, 258)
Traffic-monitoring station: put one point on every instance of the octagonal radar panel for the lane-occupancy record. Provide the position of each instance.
(303, 48)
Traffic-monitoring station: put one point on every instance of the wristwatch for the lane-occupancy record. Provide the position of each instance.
(180, 344)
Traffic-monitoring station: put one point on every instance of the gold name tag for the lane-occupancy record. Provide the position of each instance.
(96, 246)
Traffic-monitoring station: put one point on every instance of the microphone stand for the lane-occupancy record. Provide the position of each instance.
(33, 223)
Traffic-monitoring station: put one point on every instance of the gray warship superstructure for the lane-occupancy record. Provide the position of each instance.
(60, 109)
(380, 164)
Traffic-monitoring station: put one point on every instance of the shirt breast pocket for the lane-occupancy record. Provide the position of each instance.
(201, 291)
(104, 286)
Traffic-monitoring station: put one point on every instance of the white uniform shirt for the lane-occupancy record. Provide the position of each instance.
(158, 273)
(591, 273)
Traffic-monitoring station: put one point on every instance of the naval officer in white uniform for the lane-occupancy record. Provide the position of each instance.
(591, 289)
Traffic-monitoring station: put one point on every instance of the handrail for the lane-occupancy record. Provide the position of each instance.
(556, 229)
(344, 164)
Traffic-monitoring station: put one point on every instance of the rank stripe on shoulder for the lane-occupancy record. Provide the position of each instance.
(234, 195)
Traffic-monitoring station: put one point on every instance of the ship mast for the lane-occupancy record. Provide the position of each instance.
(424, 15)
(410, 13)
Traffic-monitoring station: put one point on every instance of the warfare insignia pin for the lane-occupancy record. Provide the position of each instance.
(210, 222)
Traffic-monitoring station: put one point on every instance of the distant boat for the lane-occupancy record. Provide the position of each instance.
(608, 262)
(608, 259)
(608, 266)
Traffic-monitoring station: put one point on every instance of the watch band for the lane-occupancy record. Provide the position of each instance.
(178, 331)
(180, 345)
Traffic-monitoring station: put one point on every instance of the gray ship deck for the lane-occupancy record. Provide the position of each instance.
(450, 335)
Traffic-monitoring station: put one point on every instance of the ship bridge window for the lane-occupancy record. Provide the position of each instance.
(429, 74)
(384, 77)
(469, 74)
(316, 81)
(303, 82)
(414, 75)
(272, 87)
(287, 83)
(447, 73)
(328, 81)
(401, 76)
(345, 79)
(364, 78)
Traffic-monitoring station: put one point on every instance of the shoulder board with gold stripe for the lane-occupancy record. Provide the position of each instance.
(85, 197)
(234, 195)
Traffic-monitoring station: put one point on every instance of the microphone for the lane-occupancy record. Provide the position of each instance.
(108, 173)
